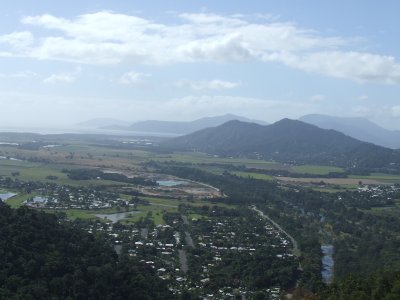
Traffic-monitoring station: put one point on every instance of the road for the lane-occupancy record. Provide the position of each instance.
(296, 249)
(183, 261)
(188, 238)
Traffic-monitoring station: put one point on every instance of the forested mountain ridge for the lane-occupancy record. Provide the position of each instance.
(43, 259)
(189, 126)
(288, 141)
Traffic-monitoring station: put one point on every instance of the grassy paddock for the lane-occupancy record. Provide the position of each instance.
(388, 178)
(17, 200)
(316, 170)
(254, 175)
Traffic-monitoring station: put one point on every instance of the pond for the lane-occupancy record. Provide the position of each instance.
(170, 182)
(117, 216)
(327, 263)
(5, 196)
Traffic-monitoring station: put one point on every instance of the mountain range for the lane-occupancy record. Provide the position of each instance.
(356, 127)
(187, 127)
(290, 141)
(168, 127)
(359, 128)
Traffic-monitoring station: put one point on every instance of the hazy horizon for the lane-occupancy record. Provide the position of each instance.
(68, 62)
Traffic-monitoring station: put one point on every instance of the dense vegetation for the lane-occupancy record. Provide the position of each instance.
(376, 286)
(288, 141)
(344, 219)
(42, 259)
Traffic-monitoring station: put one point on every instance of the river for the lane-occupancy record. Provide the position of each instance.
(327, 263)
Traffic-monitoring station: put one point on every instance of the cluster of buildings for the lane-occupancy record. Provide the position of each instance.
(186, 253)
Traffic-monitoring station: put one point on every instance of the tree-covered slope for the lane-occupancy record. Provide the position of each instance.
(42, 259)
(288, 141)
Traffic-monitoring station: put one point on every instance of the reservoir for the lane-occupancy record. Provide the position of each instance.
(117, 216)
(327, 263)
(170, 183)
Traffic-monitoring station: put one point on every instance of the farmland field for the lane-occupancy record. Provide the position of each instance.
(317, 170)
(254, 175)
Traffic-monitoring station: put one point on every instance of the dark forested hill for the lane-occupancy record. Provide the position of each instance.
(42, 259)
(288, 141)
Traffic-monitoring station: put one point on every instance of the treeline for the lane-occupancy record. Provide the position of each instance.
(87, 174)
(43, 259)
(383, 285)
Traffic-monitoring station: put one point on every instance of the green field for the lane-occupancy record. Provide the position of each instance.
(381, 177)
(254, 175)
(38, 172)
(203, 158)
(157, 208)
(17, 200)
(316, 170)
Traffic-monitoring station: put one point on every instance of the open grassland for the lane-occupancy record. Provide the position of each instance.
(392, 211)
(39, 172)
(155, 210)
(19, 199)
(203, 158)
(335, 189)
(316, 170)
(387, 178)
(333, 181)
(254, 175)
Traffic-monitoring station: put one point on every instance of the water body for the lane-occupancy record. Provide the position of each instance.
(82, 130)
(170, 182)
(6, 196)
(327, 263)
(116, 216)
(10, 158)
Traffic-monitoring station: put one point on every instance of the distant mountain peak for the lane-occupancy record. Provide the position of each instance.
(290, 141)
(186, 127)
(356, 127)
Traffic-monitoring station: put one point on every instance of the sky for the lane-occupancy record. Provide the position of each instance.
(63, 62)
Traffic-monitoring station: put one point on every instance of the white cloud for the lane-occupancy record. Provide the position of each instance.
(215, 84)
(357, 66)
(263, 109)
(18, 40)
(63, 77)
(111, 38)
(363, 97)
(25, 74)
(22, 74)
(364, 111)
(60, 78)
(317, 98)
(133, 78)
(395, 111)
